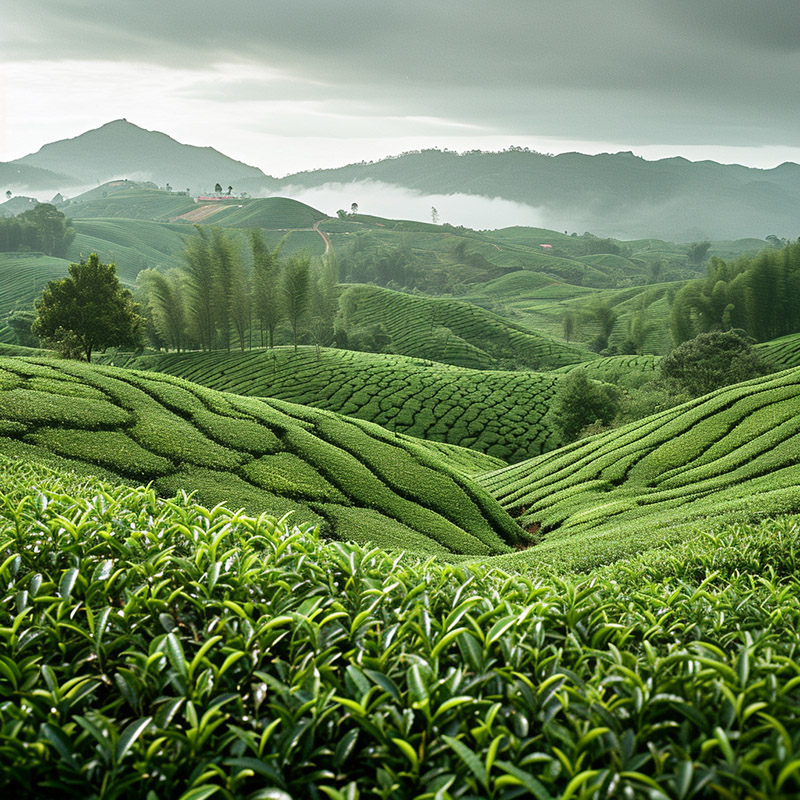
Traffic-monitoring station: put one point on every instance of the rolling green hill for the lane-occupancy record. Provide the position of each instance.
(499, 413)
(735, 451)
(24, 275)
(355, 478)
(452, 331)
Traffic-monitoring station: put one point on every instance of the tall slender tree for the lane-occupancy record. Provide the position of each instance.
(295, 286)
(200, 282)
(267, 296)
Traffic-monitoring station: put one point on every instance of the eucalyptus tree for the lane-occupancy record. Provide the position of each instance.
(166, 294)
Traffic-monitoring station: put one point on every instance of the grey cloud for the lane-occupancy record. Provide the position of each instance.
(645, 70)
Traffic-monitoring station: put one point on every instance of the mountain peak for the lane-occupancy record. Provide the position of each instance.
(121, 148)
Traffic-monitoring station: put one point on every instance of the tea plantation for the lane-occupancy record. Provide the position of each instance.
(495, 412)
(732, 453)
(453, 331)
(356, 479)
(155, 648)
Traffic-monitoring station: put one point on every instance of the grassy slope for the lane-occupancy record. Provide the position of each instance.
(736, 450)
(360, 480)
(499, 413)
(454, 332)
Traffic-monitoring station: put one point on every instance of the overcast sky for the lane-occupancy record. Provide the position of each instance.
(296, 84)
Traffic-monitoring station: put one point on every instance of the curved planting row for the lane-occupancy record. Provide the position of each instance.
(499, 413)
(452, 331)
(781, 353)
(737, 449)
(358, 479)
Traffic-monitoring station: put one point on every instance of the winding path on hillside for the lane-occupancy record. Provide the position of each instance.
(325, 237)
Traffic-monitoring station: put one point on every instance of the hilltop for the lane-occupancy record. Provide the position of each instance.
(120, 149)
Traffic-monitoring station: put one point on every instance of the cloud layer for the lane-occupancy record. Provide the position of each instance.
(644, 72)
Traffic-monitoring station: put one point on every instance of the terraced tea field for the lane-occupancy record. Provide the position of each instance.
(781, 353)
(735, 451)
(454, 332)
(355, 478)
(494, 412)
(24, 275)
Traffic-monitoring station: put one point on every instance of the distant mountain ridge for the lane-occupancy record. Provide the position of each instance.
(619, 195)
(120, 149)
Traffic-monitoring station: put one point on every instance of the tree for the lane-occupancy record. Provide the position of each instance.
(710, 361)
(87, 310)
(295, 286)
(698, 252)
(579, 402)
(434, 215)
(230, 189)
(354, 208)
(218, 188)
(8, 194)
(166, 296)
(199, 271)
(267, 298)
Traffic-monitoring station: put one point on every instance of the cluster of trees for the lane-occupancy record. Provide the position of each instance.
(759, 294)
(41, 229)
(216, 302)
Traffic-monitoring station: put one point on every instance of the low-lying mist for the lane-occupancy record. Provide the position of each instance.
(396, 202)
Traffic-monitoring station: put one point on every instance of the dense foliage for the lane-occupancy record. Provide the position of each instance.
(87, 310)
(760, 294)
(155, 648)
(579, 402)
(43, 228)
(710, 361)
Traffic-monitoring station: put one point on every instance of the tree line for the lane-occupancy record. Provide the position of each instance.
(215, 302)
(42, 229)
(759, 294)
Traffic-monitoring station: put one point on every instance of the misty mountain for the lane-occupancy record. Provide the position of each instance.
(120, 149)
(619, 195)
(15, 176)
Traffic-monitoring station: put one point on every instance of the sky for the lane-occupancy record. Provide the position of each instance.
(288, 86)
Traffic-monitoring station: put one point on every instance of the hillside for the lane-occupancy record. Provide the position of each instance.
(356, 479)
(494, 412)
(120, 149)
(617, 194)
(452, 331)
(735, 451)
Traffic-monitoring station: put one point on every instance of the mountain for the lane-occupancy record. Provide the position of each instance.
(16, 177)
(619, 194)
(120, 149)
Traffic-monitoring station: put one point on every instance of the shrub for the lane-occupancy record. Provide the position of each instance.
(710, 361)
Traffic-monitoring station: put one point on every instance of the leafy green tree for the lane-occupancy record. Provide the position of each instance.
(579, 402)
(295, 288)
(87, 310)
(712, 360)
